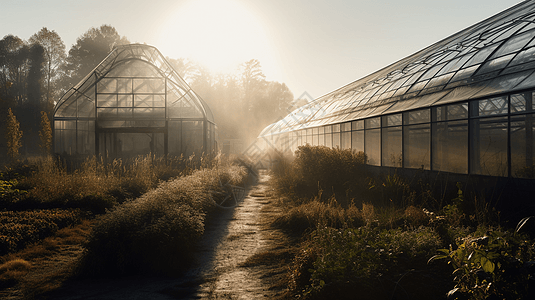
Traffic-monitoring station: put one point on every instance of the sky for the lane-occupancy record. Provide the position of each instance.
(313, 46)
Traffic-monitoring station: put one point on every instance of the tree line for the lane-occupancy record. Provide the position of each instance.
(35, 73)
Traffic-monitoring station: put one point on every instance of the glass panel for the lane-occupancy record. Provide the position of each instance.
(392, 147)
(357, 140)
(522, 146)
(373, 122)
(392, 120)
(514, 44)
(321, 140)
(346, 127)
(416, 147)
(416, 117)
(336, 128)
(464, 73)
(450, 146)
(336, 140)
(192, 137)
(518, 103)
(345, 140)
(357, 125)
(328, 129)
(524, 56)
(106, 100)
(496, 64)
(373, 146)
(493, 106)
(488, 144)
(321, 130)
(481, 55)
(328, 140)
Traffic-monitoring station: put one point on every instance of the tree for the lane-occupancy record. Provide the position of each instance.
(45, 134)
(13, 136)
(90, 49)
(13, 69)
(54, 51)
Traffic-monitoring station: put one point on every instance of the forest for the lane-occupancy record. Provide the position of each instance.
(36, 72)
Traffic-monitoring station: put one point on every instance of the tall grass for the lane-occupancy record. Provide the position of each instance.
(156, 232)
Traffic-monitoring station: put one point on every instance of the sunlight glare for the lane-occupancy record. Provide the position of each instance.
(218, 34)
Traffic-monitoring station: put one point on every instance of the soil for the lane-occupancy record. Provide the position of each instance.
(239, 257)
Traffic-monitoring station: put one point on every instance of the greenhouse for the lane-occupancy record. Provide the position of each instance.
(133, 103)
(462, 105)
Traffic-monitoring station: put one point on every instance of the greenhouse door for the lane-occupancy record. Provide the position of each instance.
(128, 144)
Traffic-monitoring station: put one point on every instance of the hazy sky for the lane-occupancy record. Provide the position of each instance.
(312, 46)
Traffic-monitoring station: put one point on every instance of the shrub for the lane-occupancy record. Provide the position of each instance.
(157, 232)
(368, 262)
(318, 168)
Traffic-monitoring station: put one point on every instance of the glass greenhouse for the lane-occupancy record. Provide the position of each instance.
(463, 105)
(133, 103)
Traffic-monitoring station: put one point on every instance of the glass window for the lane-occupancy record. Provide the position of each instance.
(392, 120)
(345, 142)
(489, 107)
(321, 130)
(346, 126)
(416, 146)
(357, 125)
(357, 140)
(329, 140)
(488, 144)
(450, 146)
(328, 129)
(392, 147)
(514, 44)
(373, 123)
(336, 140)
(496, 64)
(518, 103)
(522, 146)
(417, 117)
(336, 128)
(373, 146)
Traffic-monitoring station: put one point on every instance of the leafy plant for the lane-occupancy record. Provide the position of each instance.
(493, 265)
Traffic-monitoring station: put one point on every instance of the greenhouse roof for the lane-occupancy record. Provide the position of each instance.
(126, 59)
(492, 57)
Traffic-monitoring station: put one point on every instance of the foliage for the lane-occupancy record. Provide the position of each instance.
(156, 232)
(358, 260)
(13, 136)
(19, 229)
(45, 134)
(318, 168)
(498, 264)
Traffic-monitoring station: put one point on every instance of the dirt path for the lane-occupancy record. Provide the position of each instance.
(239, 257)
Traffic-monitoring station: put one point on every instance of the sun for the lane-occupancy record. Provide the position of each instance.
(218, 34)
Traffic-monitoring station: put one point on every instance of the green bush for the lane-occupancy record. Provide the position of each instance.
(156, 233)
(498, 264)
(368, 262)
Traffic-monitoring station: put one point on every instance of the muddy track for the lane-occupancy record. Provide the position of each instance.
(239, 257)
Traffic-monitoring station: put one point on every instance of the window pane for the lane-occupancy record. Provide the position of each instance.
(392, 147)
(346, 140)
(373, 123)
(518, 103)
(336, 140)
(346, 126)
(416, 147)
(357, 140)
(373, 146)
(488, 144)
(493, 106)
(522, 146)
(328, 139)
(356, 125)
(450, 146)
(416, 117)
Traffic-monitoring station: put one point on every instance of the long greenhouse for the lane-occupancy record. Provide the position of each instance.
(463, 105)
(133, 103)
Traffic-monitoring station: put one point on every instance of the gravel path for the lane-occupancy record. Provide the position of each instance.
(222, 270)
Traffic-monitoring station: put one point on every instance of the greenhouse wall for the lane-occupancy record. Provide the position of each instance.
(462, 105)
(133, 103)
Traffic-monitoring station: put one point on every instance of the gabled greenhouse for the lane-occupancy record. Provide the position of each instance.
(133, 103)
(462, 105)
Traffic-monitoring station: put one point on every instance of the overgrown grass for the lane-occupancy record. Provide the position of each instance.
(376, 241)
(156, 232)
